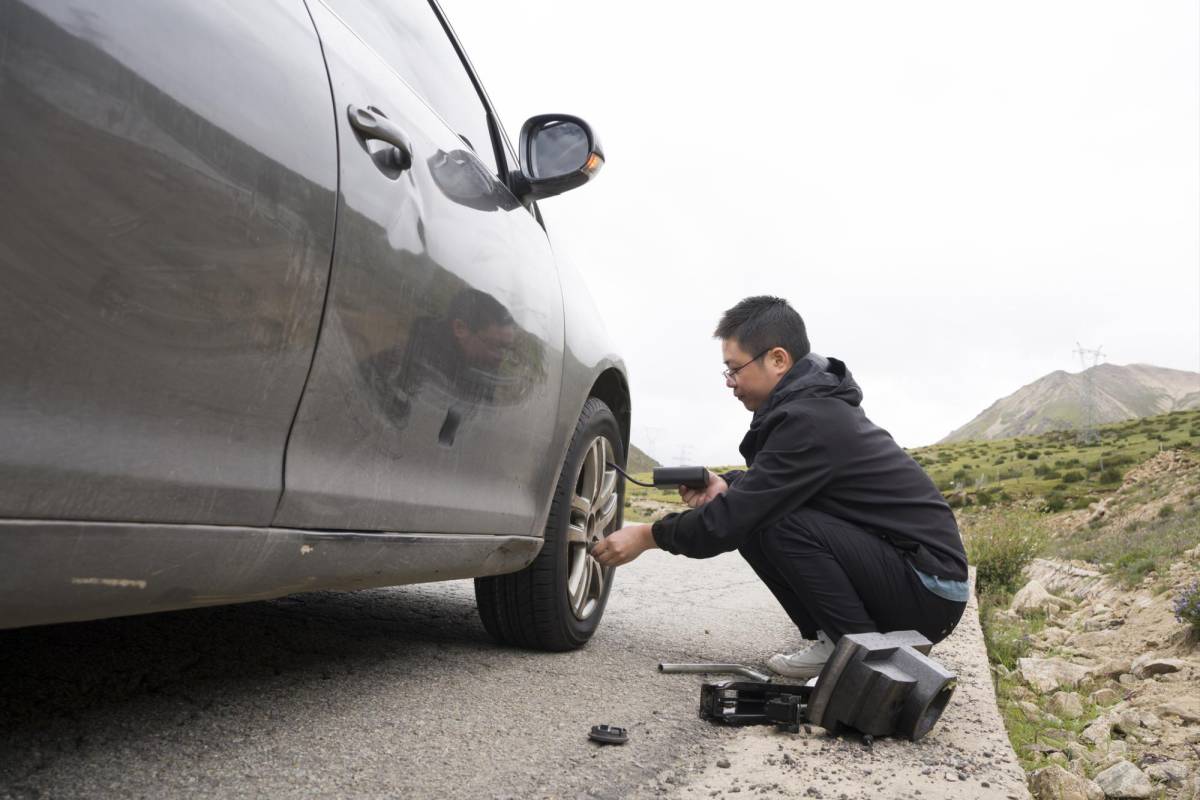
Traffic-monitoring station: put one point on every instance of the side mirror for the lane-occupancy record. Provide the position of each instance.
(558, 153)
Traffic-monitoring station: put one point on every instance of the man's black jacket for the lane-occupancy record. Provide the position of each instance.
(811, 445)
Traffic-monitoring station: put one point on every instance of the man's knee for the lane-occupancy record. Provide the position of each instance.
(803, 528)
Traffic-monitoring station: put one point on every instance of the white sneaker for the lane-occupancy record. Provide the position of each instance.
(806, 663)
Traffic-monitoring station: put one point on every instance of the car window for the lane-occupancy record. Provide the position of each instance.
(408, 35)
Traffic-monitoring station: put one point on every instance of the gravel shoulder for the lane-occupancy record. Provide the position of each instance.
(966, 755)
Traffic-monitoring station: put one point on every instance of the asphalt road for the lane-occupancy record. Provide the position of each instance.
(384, 693)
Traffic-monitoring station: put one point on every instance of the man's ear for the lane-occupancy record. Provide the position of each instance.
(780, 359)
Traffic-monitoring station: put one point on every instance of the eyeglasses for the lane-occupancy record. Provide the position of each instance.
(731, 373)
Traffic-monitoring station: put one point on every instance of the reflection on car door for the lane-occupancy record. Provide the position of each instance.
(432, 401)
(166, 222)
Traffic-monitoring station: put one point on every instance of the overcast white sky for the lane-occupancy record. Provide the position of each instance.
(950, 193)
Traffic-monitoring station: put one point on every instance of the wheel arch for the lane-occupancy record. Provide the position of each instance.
(612, 388)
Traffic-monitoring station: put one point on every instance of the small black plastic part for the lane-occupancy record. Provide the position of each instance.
(608, 734)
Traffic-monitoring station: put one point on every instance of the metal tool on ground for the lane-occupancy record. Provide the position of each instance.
(691, 477)
(715, 669)
(880, 684)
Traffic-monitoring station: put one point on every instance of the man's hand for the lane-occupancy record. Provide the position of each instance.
(698, 497)
(622, 546)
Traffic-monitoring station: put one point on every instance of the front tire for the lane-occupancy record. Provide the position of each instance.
(557, 601)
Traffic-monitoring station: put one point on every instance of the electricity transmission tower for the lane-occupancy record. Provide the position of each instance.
(1087, 391)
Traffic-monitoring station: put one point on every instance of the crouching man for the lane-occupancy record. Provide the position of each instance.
(841, 524)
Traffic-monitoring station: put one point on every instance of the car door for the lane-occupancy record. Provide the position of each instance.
(166, 226)
(432, 402)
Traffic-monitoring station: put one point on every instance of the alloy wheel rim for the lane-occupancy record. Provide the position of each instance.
(593, 511)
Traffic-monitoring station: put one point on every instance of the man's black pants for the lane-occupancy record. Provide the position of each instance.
(832, 576)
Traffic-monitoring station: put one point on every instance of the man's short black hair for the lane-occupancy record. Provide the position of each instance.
(478, 310)
(762, 322)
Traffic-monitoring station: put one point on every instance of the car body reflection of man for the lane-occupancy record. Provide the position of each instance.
(461, 354)
(465, 350)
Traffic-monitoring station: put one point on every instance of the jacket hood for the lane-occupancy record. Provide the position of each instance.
(811, 377)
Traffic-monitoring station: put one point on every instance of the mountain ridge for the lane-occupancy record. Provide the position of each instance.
(1054, 401)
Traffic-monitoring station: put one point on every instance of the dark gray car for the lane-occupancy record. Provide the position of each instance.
(279, 313)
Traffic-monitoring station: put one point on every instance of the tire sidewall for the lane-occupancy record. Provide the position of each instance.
(595, 420)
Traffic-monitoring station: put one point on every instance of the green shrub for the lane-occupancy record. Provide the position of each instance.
(1166, 511)
(1074, 476)
(1055, 501)
(1033, 455)
(1000, 544)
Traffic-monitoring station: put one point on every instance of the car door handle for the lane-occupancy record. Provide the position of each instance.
(372, 123)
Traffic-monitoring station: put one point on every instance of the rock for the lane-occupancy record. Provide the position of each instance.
(1098, 731)
(1047, 674)
(1172, 772)
(1108, 753)
(1033, 598)
(1113, 667)
(1076, 751)
(1057, 735)
(1127, 680)
(1149, 664)
(1194, 790)
(1105, 697)
(1099, 510)
(1101, 622)
(1030, 710)
(1055, 637)
(1055, 783)
(1127, 722)
(1066, 705)
(1124, 780)
(1186, 708)
(723, 763)
(1019, 692)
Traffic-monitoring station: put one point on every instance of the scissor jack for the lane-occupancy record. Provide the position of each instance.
(879, 684)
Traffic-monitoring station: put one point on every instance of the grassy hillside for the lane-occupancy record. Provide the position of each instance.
(1053, 470)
